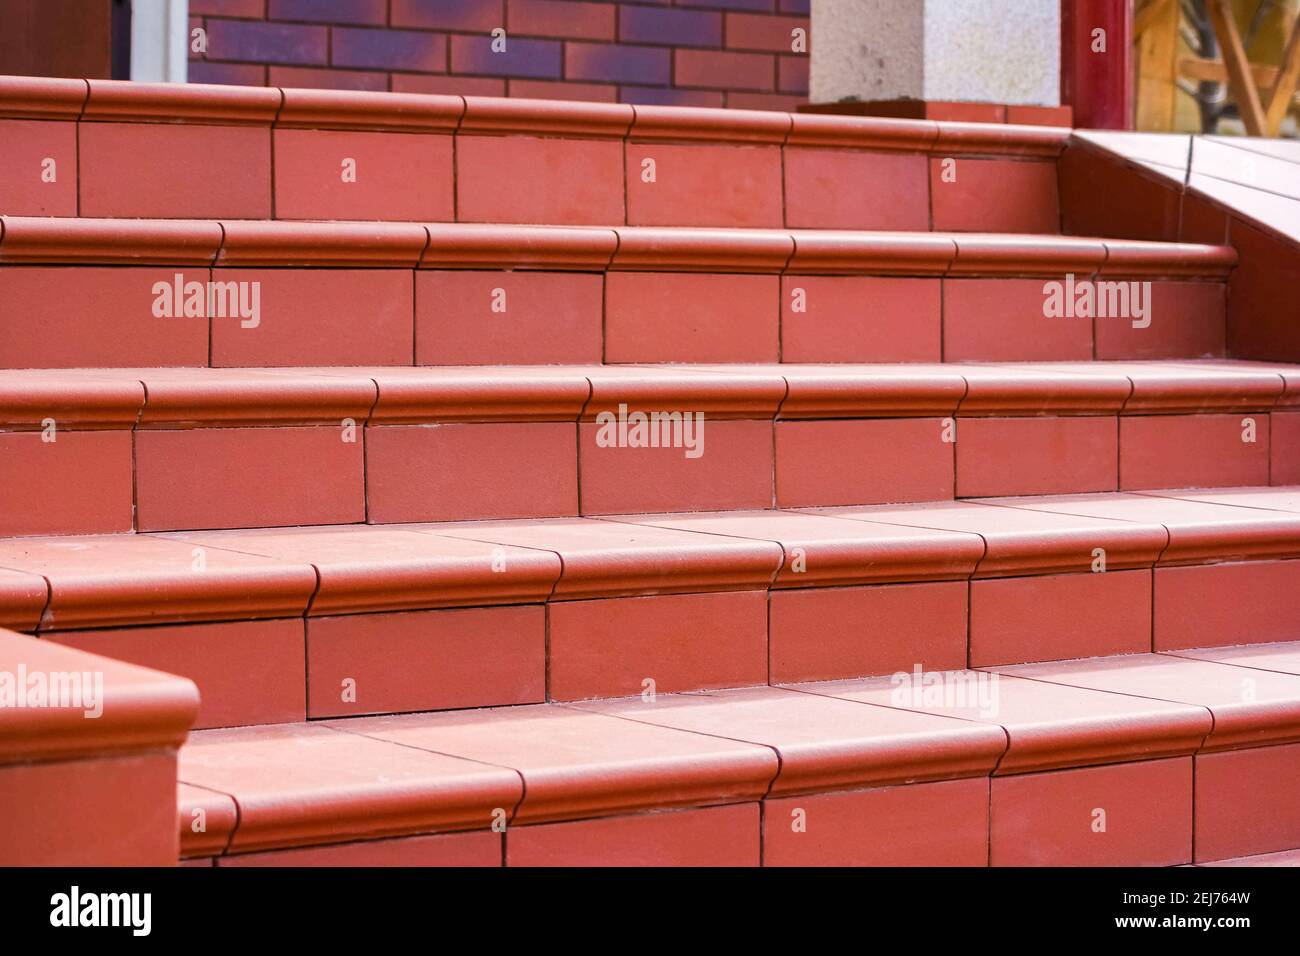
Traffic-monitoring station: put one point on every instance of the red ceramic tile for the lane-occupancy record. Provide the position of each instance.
(1136, 814)
(1203, 221)
(523, 318)
(678, 317)
(206, 820)
(665, 643)
(577, 763)
(1138, 204)
(1223, 604)
(1187, 321)
(1245, 802)
(1003, 320)
(926, 824)
(703, 185)
(175, 171)
(1090, 615)
(78, 483)
(733, 470)
(22, 599)
(1193, 451)
(475, 848)
(247, 672)
(1284, 858)
(318, 317)
(834, 633)
(247, 477)
(40, 163)
(1284, 448)
(994, 195)
(895, 194)
(860, 319)
(1260, 289)
(462, 471)
(710, 836)
(115, 811)
(95, 317)
(865, 461)
(425, 660)
(344, 786)
(391, 176)
(825, 743)
(1036, 456)
(1041, 115)
(1283, 656)
(525, 179)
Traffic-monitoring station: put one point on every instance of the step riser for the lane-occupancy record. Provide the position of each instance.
(1035, 819)
(95, 317)
(277, 671)
(187, 479)
(192, 171)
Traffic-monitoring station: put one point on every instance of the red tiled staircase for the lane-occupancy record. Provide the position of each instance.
(923, 597)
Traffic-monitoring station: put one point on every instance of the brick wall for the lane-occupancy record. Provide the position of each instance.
(684, 52)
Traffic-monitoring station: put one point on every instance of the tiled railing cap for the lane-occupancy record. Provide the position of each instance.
(23, 597)
(870, 391)
(71, 398)
(282, 243)
(1186, 390)
(108, 241)
(227, 397)
(479, 394)
(996, 139)
(1027, 255)
(880, 253)
(675, 123)
(992, 390)
(127, 101)
(352, 109)
(716, 393)
(819, 129)
(41, 97)
(484, 246)
(702, 250)
(500, 115)
(1132, 257)
(142, 709)
(220, 817)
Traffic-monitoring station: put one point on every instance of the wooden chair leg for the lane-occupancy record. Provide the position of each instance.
(1241, 81)
(1287, 81)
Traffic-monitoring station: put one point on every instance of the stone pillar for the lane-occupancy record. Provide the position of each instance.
(981, 51)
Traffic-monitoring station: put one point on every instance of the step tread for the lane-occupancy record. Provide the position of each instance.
(359, 778)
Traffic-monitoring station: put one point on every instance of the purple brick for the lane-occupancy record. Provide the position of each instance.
(796, 6)
(535, 58)
(228, 8)
(256, 42)
(330, 11)
(613, 62)
(769, 5)
(793, 74)
(672, 27)
(479, 16)
(668, 96)
(227, 74)
(390, 50)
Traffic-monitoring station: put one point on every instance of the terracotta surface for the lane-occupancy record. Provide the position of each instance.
(475, 848)
(527, 179)
(1263, 778)
(1193, 451)
(1036, 456)
(1003, 320)
(27, 147)
(993, 195)
(815, 198)
(860, 319)
(79, 482)
(703, 185)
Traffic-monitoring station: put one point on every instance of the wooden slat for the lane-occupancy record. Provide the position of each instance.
(1287, 80)
(1240, 79)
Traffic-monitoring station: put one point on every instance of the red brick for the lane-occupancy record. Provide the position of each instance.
(1040, 115)
(1002, 320)
(466, 471)
(413, 50)
(923, 824)
(329, 11)
(80, 483)
(839, 633)
(175, 171)
(617, 63)
(319, 317)
(1218, 605)
(861, 462)
(792, 74)
(94, 317)
(731, 71)
(561, 18)
(734, 186)
(26, 149)
(1036, 456)
(610, 647)
(247, 672)
(667, 96)
(734, 472)
(531, 180)
(681, 317)
(476, 848)
(1284, 448)
(1246, 802)
(521, 57)
(471, 16)
(1187, 321)
(247, 478)
(550, 318)
(1092, 615)
(750, 31)
(449, 85)
(637, 24)
(426, 660)
(1048, 819)
(307, 78)
(764, 101)
(955, 112)
(1192, 451)
(560, 90)
(712, 836)
(860, 319)
(995, 195)
(236, 74)
(230, 8)
(399, 176)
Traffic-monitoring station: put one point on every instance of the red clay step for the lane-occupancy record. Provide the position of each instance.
(478, 294)
(136, 150)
